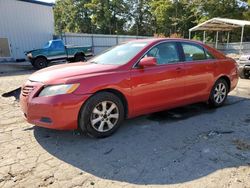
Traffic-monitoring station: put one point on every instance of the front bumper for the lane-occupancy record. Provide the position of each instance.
(55, 112)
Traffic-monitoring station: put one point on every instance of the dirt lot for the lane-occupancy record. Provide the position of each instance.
(193, 146)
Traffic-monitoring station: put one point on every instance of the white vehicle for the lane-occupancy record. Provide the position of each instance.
(244, 66)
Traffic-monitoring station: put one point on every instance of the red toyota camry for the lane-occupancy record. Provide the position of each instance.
(135, 78)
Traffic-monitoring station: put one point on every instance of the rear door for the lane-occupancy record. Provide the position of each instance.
(160, 86)
(200, 69)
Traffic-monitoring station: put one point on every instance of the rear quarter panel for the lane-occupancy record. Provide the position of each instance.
(73, 50)
(224, 66)
(228, 67)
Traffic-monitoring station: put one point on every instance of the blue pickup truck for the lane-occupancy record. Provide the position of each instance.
(55, 50)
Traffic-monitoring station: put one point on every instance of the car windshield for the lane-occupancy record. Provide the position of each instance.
(120, 54)
(47, 44)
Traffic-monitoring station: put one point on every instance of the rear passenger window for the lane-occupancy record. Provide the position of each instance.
(193, 52)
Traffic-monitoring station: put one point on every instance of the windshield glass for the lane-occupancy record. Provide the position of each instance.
(120, 54)
(47, 44)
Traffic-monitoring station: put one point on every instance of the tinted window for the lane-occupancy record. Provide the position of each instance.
(165, 53)
(193, 52)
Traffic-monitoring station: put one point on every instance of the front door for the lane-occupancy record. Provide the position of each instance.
(161, 86)
(57, 51)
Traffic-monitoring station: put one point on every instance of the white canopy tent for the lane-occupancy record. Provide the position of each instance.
(221, 24)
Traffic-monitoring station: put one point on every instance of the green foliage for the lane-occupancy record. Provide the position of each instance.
(140, 20)
(142, 17)
(72, 16)
(108, 16)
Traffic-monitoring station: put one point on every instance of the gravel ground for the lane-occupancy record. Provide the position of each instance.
(193, 146)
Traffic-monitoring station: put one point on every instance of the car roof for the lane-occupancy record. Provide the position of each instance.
(155, 40)
(152, 41)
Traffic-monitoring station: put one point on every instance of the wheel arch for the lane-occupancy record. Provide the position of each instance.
(41, 56)
(227, 79)
(79, 53)
(118, 94)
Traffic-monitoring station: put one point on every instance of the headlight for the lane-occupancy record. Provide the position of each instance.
(58, 89)
(29, 54)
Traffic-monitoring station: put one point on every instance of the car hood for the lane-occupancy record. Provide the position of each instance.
(61, 73)
(31, 51)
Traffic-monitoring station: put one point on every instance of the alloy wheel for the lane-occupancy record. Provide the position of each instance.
(220, 93)
(104, 116)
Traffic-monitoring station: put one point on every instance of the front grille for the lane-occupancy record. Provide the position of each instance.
(27, 90)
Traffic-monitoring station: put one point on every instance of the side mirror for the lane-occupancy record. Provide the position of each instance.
(147, 62)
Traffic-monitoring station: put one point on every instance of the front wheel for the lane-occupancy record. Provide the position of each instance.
(101, 115)
(219, 93)
(40, 63)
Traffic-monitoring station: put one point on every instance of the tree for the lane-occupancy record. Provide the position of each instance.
(174, 16)
(143, 17)
(222, 8)
(140, 20)
(72, 16)
(108, 15)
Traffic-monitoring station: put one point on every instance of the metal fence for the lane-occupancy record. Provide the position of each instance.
(101, 42)
(232, 48)
(97, 41)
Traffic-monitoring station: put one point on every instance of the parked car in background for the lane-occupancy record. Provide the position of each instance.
(55, 50)
(132, 79)
(244, 66)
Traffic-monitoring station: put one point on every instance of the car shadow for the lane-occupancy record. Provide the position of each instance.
(13, 93)
(168, 147)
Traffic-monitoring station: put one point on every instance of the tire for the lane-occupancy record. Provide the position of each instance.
(79, 57)
(96, 120)
(243, 74)
(219, 93)
(40, 63)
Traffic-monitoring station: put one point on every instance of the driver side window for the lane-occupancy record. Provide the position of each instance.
(165, 53)
(57, 45)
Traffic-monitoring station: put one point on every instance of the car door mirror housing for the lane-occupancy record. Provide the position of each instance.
(147, 62)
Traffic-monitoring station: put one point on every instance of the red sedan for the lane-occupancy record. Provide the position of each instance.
(139, 77)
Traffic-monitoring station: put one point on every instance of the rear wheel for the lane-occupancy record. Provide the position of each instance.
(79, 57)
(219, 93)
(40, 63)
(101, 115)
